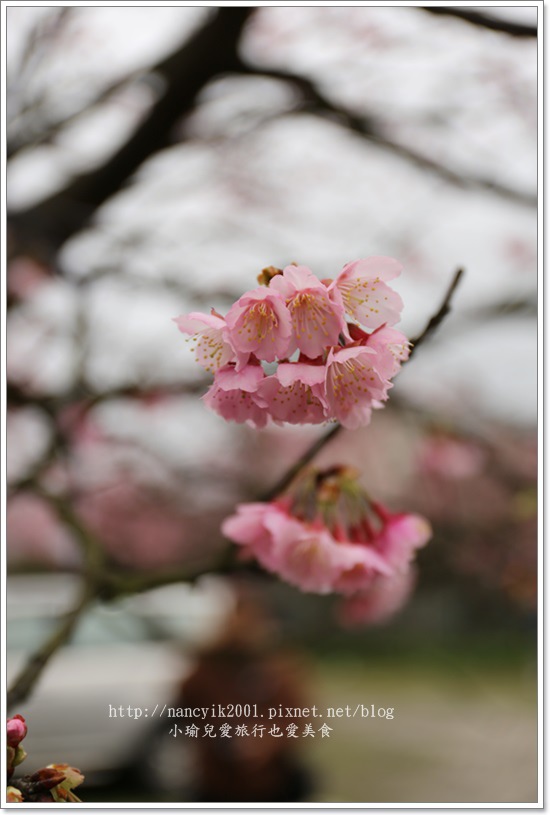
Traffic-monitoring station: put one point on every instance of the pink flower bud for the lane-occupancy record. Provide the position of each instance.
(17, 730)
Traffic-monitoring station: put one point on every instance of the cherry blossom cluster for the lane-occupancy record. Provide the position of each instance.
(51, 784)
(326, 536)
(303, 350)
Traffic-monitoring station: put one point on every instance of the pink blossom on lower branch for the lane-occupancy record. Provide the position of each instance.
(384, 598)
(400, 536)
(325, 535)
(303, 553)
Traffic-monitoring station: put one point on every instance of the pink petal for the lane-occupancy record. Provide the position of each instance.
(385, 268)
(385, 597)
(247, 379)
(289, 372)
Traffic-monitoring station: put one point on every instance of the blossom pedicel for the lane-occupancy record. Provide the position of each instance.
(329, 367)
(325, 535)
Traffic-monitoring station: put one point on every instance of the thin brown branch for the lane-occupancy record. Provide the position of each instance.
(440, 315)
(29, 676)
(480, 20)
(302, 462)
(95, 568)
(315, 102)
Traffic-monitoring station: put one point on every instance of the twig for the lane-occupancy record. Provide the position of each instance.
(30, 674)
(484, 20)
(440, 315)
(302, 462)
(370, 128)
(93, 574)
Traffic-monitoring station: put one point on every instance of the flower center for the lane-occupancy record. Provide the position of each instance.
(261, 320)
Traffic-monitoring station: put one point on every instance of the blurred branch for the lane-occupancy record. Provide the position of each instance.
(32, 671)
(210, 51)
(483, 20)
(315, 102)
(440, 315)
(50, 129)
(302, 462)
(95, 562)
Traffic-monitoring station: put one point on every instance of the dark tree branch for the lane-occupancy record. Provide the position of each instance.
(302, 462)
(440, 315)
(48, 131)
(315, 102)
(29, 676)
(212, 50)
(476, 18)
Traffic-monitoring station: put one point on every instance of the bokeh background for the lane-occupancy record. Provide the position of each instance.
(158, 159)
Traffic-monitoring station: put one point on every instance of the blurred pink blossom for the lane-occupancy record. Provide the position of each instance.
(326, 536)
(450, 457)
(136, 526)
(384, 598)
(303, 554)
(35, 534)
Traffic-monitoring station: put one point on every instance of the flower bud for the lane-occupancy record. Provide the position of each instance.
(17, 730)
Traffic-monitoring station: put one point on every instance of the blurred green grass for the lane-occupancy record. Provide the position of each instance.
(464, 730)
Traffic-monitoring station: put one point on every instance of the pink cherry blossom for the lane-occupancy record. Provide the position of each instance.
(376, 604)
(352, 384)
(303, 553)
(209, 332)
(317, 321)
(391, 346)
(260, 323)
(233, 395)
(400, 537)
(295, 393)
(448, 457)
(361, 289)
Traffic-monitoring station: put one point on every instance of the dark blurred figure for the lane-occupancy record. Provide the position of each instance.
(246, 666)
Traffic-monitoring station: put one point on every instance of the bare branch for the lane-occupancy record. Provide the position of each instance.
(315, 102)
(32, 671)
(302, 462)
(484, 21)
(212, 50)
(440, 315)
